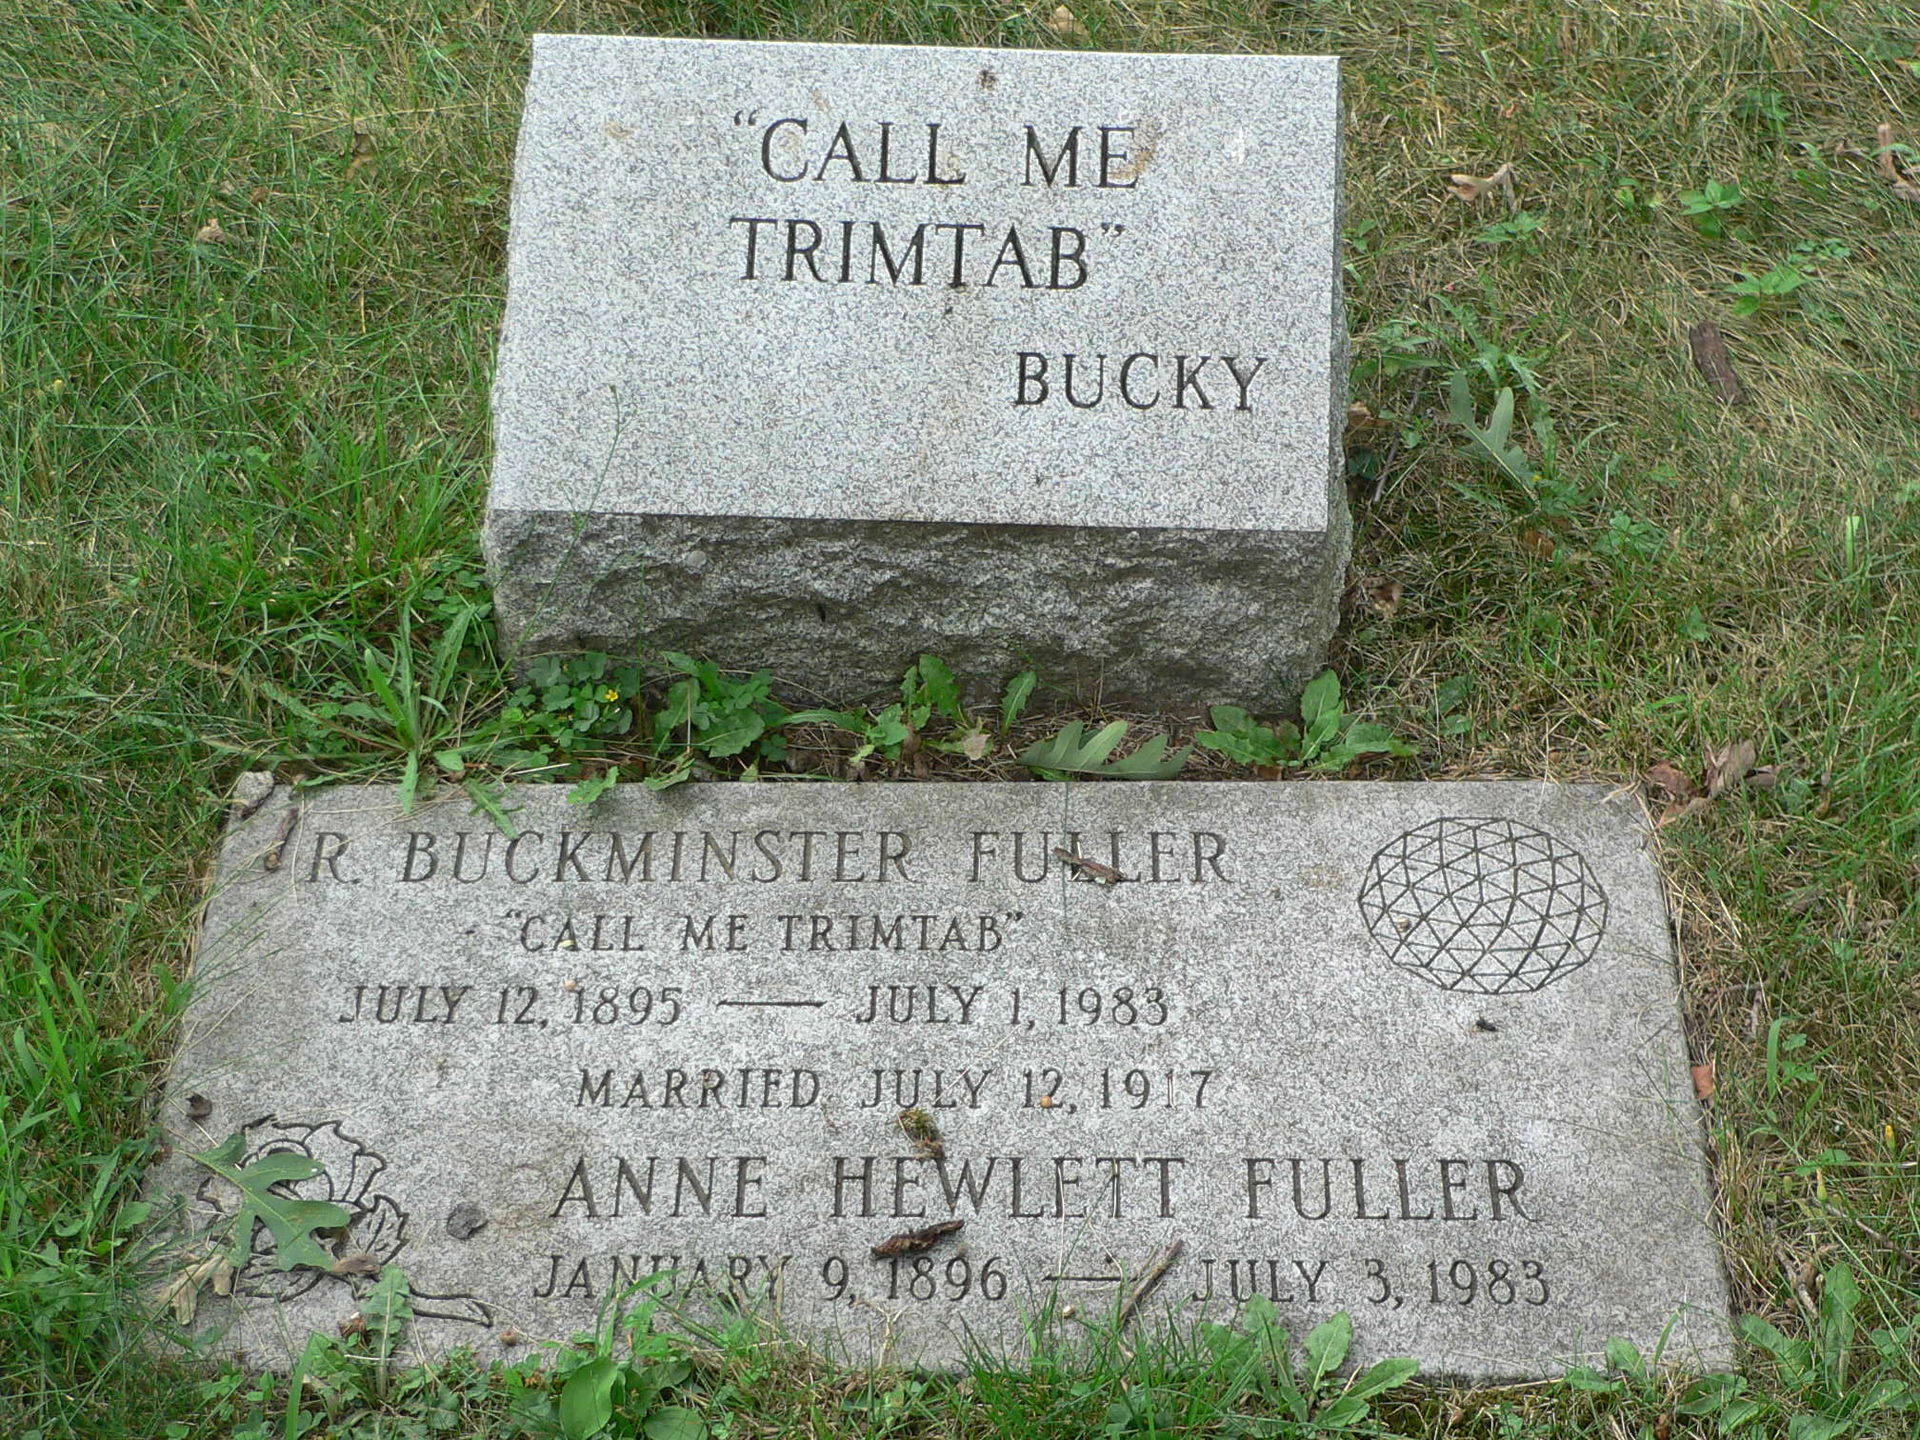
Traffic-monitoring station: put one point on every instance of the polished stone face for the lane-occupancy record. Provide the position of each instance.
(816, 356)
(1413, 1052)
(873, 283)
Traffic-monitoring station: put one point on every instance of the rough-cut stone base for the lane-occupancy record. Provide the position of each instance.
(837, 609)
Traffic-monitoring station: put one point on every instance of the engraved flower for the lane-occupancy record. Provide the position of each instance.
(374, 1235)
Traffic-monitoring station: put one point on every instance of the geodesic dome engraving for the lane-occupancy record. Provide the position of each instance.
(1488, 906)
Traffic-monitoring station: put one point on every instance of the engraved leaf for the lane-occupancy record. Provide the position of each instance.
(1074, 752)
(291, 1221)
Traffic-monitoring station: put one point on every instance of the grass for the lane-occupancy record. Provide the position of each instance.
(227, 464)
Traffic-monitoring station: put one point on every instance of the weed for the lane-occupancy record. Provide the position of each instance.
(617, 1379)
(1013, 701)
(1757, 292)
(1710, 209)
(1522, 229)
(1246, 741)
(709, 715)
(1072, 752)
(1330, 738)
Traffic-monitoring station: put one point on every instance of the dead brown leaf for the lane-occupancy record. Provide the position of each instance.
(1903, 185)
(1384, 595)
(1064, 23)
(1682, 810)
(181, 1294)
(363, 152)
(1763, 777)
(359, 1263)
(1889, 170)
(974, 745)
(1475, 187)
(912, 1242)
(1703, 1085)
(209, 234)
(1092, 869)
(1539, 542)
(1671, 782)
(1727, 765)
(354, 1324)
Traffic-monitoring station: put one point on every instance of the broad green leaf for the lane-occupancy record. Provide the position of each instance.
(586, 1402)
(594, 786)
(490, 801)
(1491, 443)
(1326, 1344)
(1073, 752)
(1624, 1356)
(731, 733)
(409, 789)
(1763, 1334)
(1709, 1394)
(1815, 1427)
(845, 719)
(1583, 1378)
(675, 1422)
(1738, 1413)
(1150, 762)
(1366, 737)
(387, 1309)
(941, 689)
(1014, 702)
(1839, 1296)
(1320, 699)
(290, 1222)
(1383, 1377)
(681, 770)
(1341, 1414)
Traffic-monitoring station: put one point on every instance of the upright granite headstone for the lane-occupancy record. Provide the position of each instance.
(817, 357)
(891, 1067)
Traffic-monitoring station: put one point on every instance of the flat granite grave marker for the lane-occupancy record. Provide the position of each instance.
(817, 357)
(1409, 1051)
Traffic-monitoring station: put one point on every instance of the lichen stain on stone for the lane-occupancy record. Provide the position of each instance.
(1146, 143)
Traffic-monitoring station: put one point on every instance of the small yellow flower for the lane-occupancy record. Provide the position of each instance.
(609, 694)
